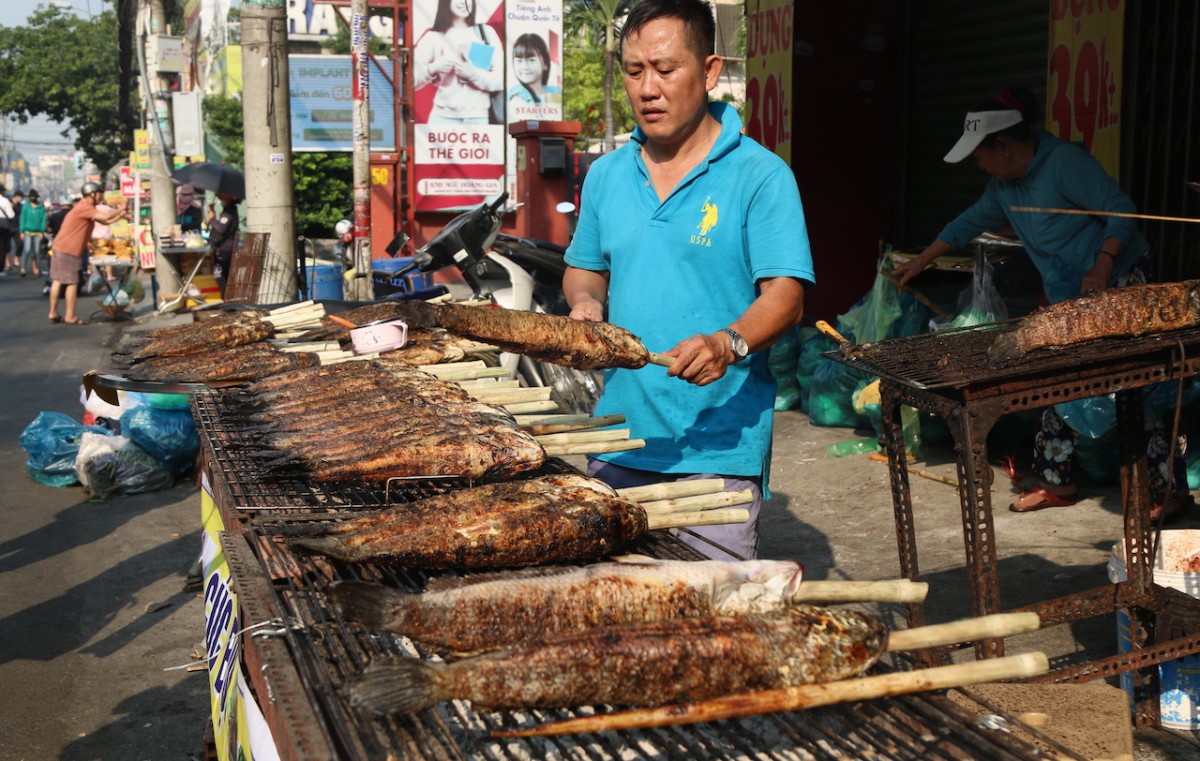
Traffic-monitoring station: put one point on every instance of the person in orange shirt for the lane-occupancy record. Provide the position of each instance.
(69, 245)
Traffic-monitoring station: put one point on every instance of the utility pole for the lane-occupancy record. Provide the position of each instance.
(162, 190)
(267, 117)
(360, 287)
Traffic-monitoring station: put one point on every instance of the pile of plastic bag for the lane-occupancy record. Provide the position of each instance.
(157, 443)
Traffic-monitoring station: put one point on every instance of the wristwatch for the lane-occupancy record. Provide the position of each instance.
(738, 344)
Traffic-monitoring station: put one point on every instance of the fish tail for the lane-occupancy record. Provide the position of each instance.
(1005, 350)
(372, 605)
(333, 546)
(397, 685)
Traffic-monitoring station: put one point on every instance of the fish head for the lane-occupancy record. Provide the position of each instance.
(754, 586)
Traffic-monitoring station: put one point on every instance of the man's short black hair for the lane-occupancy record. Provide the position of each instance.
(696, 15)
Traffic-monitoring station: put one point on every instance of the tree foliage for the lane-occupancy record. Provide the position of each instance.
(583, 83)
(65, 67)
(322, 182)
(597, 21)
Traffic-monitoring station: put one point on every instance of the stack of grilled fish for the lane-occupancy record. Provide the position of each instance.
(370, 420)
(635, 631)
(229, 347)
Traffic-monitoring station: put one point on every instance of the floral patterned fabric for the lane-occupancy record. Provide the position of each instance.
(1055, 443)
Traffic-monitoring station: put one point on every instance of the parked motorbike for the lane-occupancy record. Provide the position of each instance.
(515, 273)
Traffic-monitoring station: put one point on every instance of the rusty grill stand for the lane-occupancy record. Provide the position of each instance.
(1164, 623)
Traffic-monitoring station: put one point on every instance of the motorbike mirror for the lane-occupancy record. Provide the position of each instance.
(398, 243)
(566, 207)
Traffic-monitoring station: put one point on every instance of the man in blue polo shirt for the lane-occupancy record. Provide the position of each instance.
(692, 236)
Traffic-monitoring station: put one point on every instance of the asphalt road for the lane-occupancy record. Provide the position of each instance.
(92, 607)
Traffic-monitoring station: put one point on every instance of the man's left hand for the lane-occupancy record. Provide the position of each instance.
(701, 359)
(1096, 279)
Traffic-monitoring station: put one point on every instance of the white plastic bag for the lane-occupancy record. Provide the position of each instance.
(111, 465)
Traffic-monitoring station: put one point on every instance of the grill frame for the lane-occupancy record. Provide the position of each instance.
(971, 396)
(308, 662)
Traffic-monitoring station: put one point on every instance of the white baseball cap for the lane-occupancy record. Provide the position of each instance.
(977, 126)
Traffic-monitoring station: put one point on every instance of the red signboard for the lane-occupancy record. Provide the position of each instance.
(129, 184)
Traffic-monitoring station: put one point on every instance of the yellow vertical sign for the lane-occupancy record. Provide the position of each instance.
(1083, 84)
(769, 74)
(141, 150)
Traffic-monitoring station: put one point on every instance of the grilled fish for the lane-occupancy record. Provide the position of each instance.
(493, 610)
(224, 331)
(239, 363)
(1131, 311)
(545, 337)
(506, 529)
(638, 664)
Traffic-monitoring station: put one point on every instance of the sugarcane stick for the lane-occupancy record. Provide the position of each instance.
(888, 590)
(699, 502)
(672, 489)
(698, 518)
(580, 437)
(545, 424)
(966, 630)
(600, 447)
(799, 698)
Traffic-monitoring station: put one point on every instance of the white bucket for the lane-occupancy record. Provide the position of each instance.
(1180, 679)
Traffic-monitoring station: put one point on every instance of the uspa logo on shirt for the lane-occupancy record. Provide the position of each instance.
(708, 221)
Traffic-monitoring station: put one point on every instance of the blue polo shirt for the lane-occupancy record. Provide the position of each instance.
(689, 265)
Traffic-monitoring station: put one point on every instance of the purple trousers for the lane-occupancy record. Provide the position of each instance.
(736, 541)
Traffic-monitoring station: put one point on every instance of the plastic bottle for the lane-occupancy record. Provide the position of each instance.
(852, 446)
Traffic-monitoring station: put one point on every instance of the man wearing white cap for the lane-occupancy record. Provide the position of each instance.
(1076, 254)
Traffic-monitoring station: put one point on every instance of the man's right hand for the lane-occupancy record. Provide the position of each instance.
(588, 310)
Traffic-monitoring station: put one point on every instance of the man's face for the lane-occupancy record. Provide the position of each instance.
(667, 83)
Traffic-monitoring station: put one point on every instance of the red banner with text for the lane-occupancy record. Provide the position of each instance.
(1083, 84)
(769, 75)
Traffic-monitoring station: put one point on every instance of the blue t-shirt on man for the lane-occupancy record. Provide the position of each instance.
(684, 266)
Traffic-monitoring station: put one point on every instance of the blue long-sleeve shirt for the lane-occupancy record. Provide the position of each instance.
(1061, 175)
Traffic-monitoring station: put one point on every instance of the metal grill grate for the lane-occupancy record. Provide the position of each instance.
(329, 650)
(958, 358)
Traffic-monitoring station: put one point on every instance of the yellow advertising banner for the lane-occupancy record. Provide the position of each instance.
(769, 74)
(221, 628)
(1083, 84)
(141, 150)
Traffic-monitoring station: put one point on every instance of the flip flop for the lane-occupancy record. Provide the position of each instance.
(75, 322)
(1170, 506)
(1044, 499)
(56, 318)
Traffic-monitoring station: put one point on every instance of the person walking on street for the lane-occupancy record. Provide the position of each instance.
(54, 220)
(32, 229)
(69, 246)
(8, 227)
(692, 236)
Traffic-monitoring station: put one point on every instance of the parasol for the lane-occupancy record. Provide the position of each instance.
(207, 175)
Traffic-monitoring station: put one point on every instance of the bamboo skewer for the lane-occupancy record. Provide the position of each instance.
(698, 502)
(506, 395)
(291, 308)
(672, 489)
(966, 630)
(916, 294)
(698, 518)
(520, 407)
(1090, 213)
(799, 698)
(603, 447)
(583, 437)
(662, 360)
(543, 424)
(888, 590)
